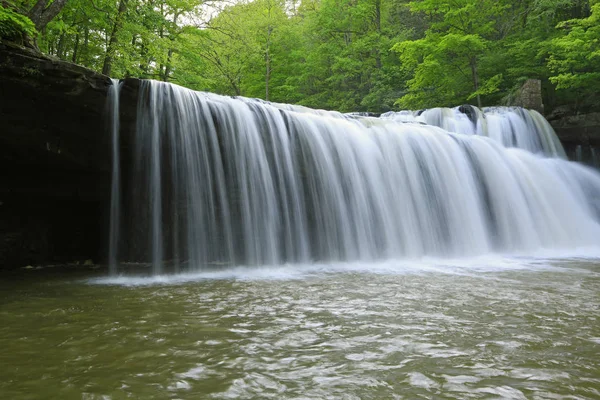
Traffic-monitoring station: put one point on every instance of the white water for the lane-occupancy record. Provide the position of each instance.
(225, 181)
(509, 126)
(115, 192)
(473, 266)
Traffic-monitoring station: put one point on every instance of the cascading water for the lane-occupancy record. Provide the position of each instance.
(510, 126)
(240, 181)
(115, 192)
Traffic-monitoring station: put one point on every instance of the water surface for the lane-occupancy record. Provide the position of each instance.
(484, 328)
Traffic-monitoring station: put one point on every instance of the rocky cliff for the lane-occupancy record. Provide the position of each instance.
(54, 160)
(579, 134)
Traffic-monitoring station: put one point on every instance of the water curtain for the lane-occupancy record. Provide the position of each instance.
(220, 181)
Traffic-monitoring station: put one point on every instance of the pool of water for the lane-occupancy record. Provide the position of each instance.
(468, 329)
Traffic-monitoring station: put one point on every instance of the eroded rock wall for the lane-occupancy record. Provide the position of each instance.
(54, 160)
(580, 136)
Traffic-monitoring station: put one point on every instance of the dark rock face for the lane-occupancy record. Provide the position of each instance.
(579, 134)
(54, 160)
(54, 109)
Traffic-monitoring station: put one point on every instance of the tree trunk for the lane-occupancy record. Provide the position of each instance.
(107, 65)
(60, 47)
(85, 51)
(268, 63)
(144, 60)
(161, 34)
(378, 29)
(169, 66)
(475, 75)
(40, 14)
(268, 53)
(75, 49)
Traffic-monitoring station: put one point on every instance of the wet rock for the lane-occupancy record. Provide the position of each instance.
(469, 111)
(54, 158)
(579, 134)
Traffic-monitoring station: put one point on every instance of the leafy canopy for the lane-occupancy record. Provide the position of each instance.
(348, 55)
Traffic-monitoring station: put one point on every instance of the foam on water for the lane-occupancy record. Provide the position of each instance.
(472, 266)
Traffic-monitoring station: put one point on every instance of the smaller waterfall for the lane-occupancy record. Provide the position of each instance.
(585, 154)
(115, 197)
(510, 126)
(579, 153)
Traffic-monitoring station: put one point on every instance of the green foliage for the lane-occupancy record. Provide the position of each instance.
(484, 50)
(575, 57)
(445, 64)
(443, 69)
(348, 55)
(14, 26)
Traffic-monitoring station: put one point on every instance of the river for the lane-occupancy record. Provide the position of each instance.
(489, 327)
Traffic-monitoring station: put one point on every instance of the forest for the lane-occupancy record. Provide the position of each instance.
(347, 55)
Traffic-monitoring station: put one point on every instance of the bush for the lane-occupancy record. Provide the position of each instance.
(15, 26)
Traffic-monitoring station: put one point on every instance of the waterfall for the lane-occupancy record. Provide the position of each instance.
(509, 126)
(220, 180)
(579, 153)
(115, 191)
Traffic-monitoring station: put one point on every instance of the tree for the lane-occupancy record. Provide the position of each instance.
(12, 25)
(44, 11)
(112, 42)
(446, 61)
(241, 49)
(348, 55)
(343, 60)
(574, 58)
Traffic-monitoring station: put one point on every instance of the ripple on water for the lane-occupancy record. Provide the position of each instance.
(514, 329)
